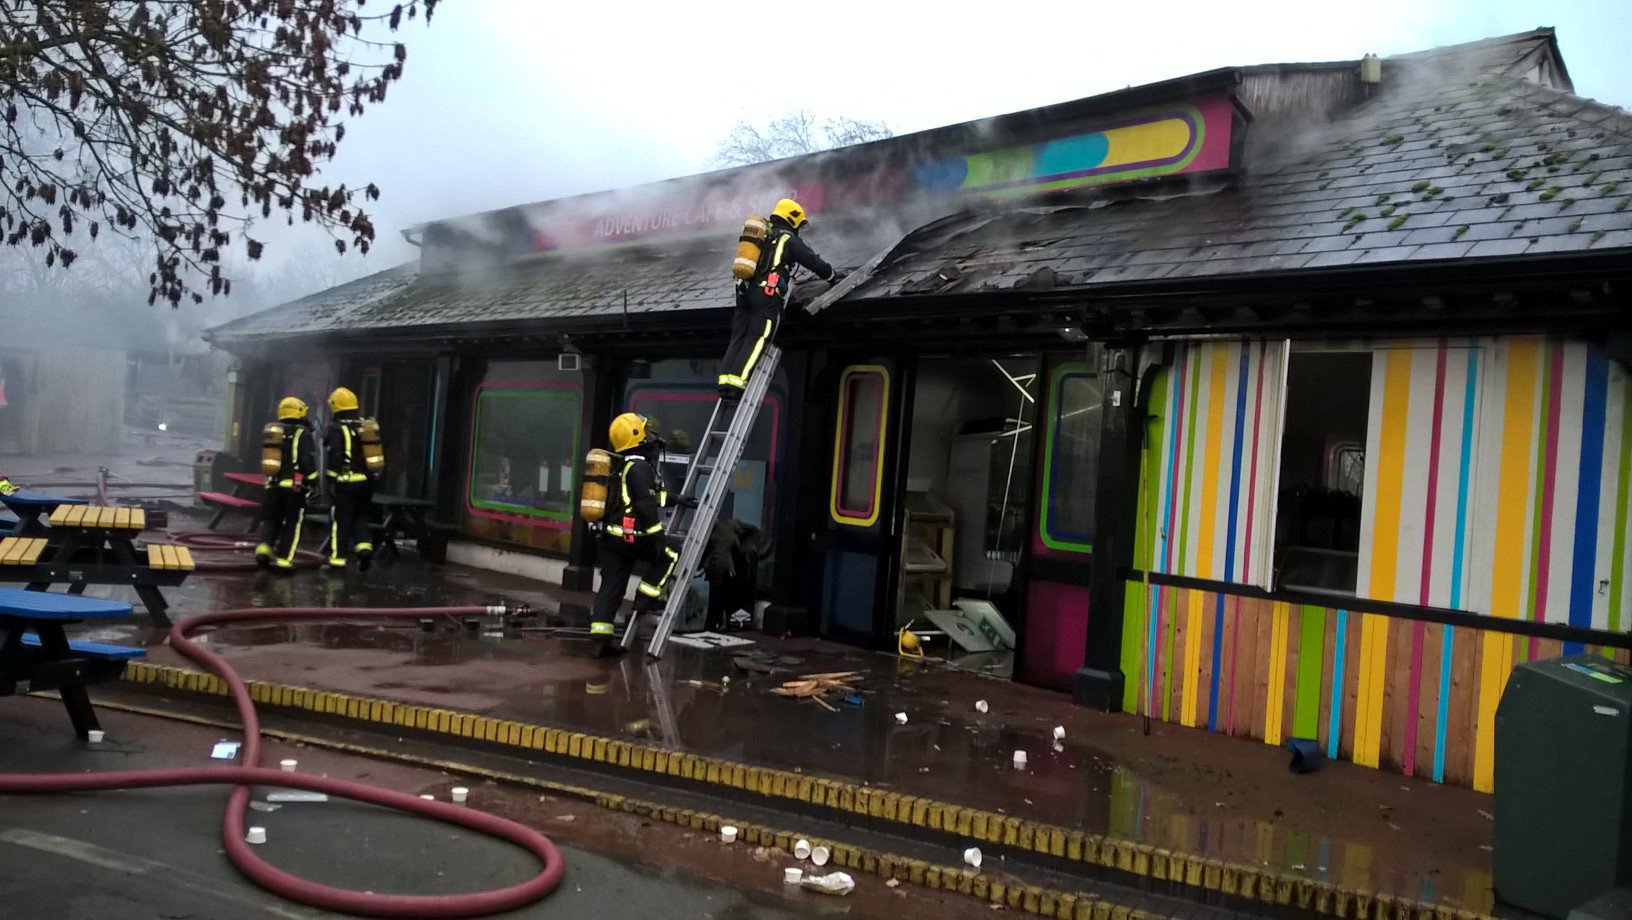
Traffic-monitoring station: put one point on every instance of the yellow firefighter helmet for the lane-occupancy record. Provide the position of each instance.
(629, 431)
(342, 400)
(791, 212)
(291, 409)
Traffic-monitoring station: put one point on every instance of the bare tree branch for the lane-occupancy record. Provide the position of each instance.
(792, 135)
(148, 117)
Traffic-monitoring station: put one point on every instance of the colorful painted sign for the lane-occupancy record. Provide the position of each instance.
(1182, 137)
(1159, 142)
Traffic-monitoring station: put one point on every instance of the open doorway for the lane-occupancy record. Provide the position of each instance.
(967, 493)
(1323, 467)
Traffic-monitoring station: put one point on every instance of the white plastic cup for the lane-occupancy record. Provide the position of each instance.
(801, 848)
(792, 875)
(820, 855)
(256, 835)
(428, 797)
(288, 766)
(1059, 733)
(728, 834)
(900, 718)
(1019, 758)
(980, 706)
(972, 856)
(460, 793)
(95, 736)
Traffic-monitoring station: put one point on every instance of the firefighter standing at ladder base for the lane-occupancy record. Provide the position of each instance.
(632, 532)
(760, 298)
(289, 460)
(354, 461)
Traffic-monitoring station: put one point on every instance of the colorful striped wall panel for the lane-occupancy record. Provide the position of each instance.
(1498, 476)
(1393, 693)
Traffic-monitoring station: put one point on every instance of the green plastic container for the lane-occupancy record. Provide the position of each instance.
(1563, 783)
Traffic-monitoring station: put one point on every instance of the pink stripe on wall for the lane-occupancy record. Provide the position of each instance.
(1414, 689)
(1544, 546)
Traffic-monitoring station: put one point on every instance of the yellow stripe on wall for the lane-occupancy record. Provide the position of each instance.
(1368, 724)
(1192, 658)
(1507, 573)
(1281, 615)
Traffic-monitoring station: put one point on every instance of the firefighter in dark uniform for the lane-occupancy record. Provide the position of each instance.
(352, 464)
(289, 460)
(760, 298)
(632, 535)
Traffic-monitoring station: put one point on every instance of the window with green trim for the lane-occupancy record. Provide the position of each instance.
(524, 451)
(1071, 471)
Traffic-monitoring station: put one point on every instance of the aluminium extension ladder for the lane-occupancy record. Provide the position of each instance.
(720, 449)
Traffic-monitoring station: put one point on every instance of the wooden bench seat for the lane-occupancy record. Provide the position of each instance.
(167, 557)
(21, 550)
(93, 517)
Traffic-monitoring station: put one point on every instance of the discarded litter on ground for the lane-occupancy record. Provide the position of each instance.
(818, 686)
(833, 883)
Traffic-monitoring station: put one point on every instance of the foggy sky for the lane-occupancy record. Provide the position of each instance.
(512, 101)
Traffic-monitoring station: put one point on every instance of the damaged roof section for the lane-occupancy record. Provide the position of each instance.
(1447, 163)
(1473, 152)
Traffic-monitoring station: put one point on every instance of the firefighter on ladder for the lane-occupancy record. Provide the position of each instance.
(353, 462)
(289, 461)
(632, 535)
(760, 298)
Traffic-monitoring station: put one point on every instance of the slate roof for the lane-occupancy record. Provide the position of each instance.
(1456, 160)
(1456, 157)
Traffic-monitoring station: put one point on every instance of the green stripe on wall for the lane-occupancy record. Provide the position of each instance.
(1311, 655)
(1618, 564)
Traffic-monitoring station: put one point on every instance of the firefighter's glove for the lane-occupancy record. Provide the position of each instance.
(687, 502)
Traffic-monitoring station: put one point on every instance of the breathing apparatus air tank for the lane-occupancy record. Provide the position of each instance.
(368, 432)
(597, 479)
(271, 449)
(749, 246)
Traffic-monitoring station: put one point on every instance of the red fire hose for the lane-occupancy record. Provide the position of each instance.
(245, 858)
(214, 551)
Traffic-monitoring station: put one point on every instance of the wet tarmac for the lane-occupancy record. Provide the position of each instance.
(156, 853)
(1173, 787)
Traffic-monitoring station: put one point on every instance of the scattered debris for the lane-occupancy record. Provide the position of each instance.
(262, 806)
(980, 706)
(892, 883)
(972, 856)
(296, 795)
(225, 750)
(839, 883)
(818, 686)
(900, 718)
(1486, 815)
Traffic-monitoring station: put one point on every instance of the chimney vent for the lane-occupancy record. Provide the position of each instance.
(1371, 69)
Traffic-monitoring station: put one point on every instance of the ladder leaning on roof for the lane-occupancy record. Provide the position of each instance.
(719, 449)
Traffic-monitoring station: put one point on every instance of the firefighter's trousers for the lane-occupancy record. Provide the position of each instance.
(283, 513)
(349, 514)
(753, 325)
(655, 556)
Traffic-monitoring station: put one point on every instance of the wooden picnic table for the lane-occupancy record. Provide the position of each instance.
(238, 500)
(36, 653)
(95, 545)
(30, 507)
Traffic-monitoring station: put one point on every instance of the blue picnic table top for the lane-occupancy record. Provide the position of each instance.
(45, 605)
(23, 498)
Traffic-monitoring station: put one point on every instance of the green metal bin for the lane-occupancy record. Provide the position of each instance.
(1563, 783)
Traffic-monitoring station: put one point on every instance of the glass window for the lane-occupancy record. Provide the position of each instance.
(524, 451)
(859, 452)
(1071, 466)
(682, 413)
